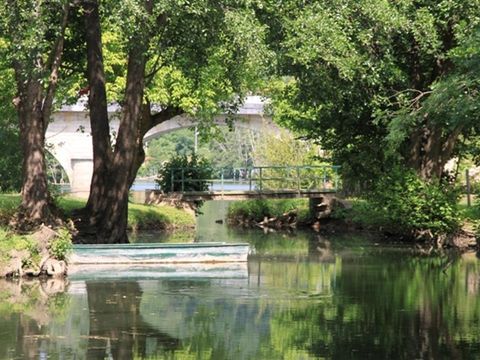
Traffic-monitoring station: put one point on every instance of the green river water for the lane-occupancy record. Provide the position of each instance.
(301, 296)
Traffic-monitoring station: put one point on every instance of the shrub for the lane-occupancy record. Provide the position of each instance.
(406, 205)
(61, 245)
(185, 173)
(257, 210)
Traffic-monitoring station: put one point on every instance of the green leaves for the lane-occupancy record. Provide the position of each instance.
(201, 53)
(318, 36)
(404, 204)
(361, 77)
(185, 173)
(29, 27)
(11, 159)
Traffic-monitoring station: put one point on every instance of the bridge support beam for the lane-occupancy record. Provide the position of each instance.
(82, 171)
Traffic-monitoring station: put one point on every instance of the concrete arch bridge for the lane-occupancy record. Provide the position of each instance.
(69, 140)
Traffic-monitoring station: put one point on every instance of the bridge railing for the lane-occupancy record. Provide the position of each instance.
(302, 178)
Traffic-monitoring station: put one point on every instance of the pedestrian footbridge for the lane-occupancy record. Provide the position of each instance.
(255, 182)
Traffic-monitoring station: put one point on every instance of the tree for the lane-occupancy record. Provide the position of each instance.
(162, 149)
(185, 58)
(284, 149)
(358, 77)
(11, 160)
(33, 34)
(225, 148)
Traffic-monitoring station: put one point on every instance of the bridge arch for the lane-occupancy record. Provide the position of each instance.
(70, 141)
(250, 116)
(56, 171)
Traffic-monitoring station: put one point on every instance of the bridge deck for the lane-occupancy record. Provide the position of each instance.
(155, 196)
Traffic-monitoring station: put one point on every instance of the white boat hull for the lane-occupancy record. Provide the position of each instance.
(158, 253)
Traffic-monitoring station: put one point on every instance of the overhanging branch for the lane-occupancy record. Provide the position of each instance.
(53, 65)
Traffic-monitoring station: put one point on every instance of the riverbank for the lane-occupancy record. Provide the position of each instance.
(43, 252)
(274, 214)
(349, 216)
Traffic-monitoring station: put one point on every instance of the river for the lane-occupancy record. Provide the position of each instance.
(301, 296)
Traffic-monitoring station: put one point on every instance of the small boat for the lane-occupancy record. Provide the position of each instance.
(159, 253)
(165, 271)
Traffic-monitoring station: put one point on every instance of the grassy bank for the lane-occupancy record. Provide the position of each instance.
(255, 211)
(139, 216)
(13, 242)
(44, 251)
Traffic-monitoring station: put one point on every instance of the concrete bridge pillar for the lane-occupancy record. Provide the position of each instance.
(82, 170)
(69, 141)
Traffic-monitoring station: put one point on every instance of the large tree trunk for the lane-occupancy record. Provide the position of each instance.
(113, 225)
(34, 105)
(102, 148)
(35, 206)
(114, 169)
(430, 146)
(430, 149)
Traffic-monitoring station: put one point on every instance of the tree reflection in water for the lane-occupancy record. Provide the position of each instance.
(117, 329)
(26, 309)
(323, 299)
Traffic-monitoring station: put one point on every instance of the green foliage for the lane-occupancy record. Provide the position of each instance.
(60, 246)
(240, 148)
(8, 206)
(13, 242)
(362, 77)
(404, 204)
(210, 52)
(471, 215)
(11, 159)
(201, 54)
(185, 173)
(162, 149)
(224, 148)
(284, 149)
(257, 210)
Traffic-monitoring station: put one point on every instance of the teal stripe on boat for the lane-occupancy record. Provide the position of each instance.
(156, 245)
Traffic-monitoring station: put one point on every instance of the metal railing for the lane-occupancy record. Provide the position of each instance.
(301, 178)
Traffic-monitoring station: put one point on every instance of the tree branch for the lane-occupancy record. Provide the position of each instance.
(161, 116)
(156, 66)
(53, 65)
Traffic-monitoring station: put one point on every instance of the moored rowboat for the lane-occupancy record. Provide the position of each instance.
(157, 253)
(168, 271)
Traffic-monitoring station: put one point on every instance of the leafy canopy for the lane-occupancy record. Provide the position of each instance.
(360, 77)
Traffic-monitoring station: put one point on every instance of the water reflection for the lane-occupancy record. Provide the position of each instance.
(30, 312)
(320, 300)
(117, 328)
